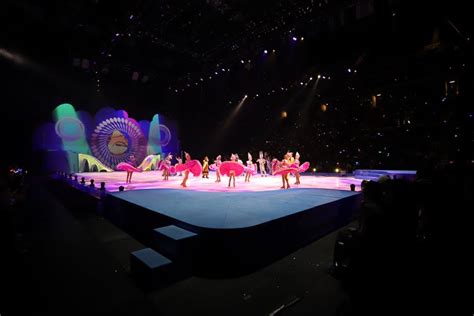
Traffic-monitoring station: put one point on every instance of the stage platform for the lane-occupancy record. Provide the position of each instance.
(234, 230)
(230, 210)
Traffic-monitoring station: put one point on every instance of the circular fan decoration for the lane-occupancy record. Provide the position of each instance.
(69, 128)
(115, 139)
(160, 137)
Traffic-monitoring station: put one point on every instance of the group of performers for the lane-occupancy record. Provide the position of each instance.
(232, 168)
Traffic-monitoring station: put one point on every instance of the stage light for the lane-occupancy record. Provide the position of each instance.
(242, 61)
(265, 51)
(337, 170)
(319, 76)
(379, 94)
(302, 38)
(294, 39)
(310, 78)
(348, 69)
(284, 114)
(324, 107)
(245, 96)
(314, 169)
(223, 69)
(274, 51)
(117, 34)
(215, 73)
(452, 81)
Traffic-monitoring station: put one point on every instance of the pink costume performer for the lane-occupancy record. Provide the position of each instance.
(215, 167)
(130, 167)
(166, 166)
(193, 166)
(302, 168)
(231, 168)
(250, 169)
(283, 168)
(261, 164)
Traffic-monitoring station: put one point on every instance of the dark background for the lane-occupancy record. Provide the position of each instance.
(406, 52)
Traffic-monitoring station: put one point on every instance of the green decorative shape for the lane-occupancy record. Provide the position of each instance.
(149, 162)
(91, 162)
(154, 146)
(72, 133)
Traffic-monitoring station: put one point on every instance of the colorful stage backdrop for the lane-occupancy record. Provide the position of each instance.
(76, 141)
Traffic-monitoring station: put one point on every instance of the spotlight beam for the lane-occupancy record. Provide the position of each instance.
(228, 122)
(236, 110)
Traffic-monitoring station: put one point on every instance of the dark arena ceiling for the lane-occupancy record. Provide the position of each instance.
(194, 60)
